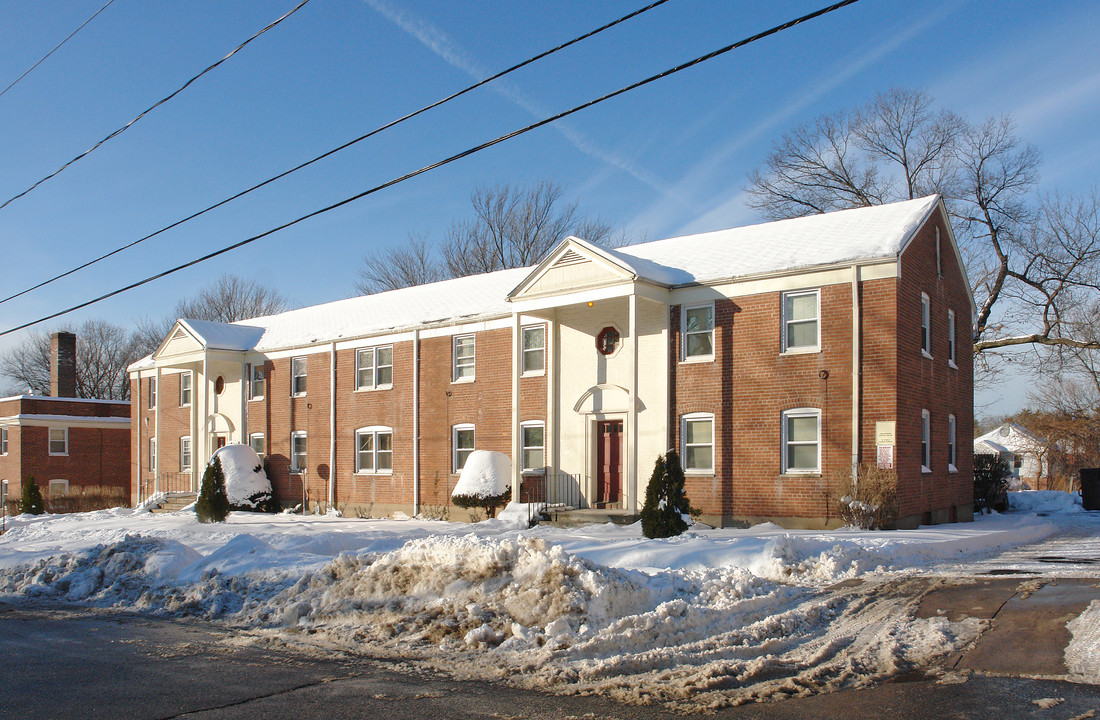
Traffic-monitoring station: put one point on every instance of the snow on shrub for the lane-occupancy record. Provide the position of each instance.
(870, 500)
(246, 484)
(486, 482)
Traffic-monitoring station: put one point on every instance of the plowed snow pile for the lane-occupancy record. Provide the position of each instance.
(712, 618)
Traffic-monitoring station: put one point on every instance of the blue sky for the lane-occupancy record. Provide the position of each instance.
(668, 159)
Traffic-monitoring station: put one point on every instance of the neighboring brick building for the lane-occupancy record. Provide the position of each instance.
(772, 356)
(64, 443)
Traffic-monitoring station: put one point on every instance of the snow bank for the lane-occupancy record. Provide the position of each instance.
(485, 474)
(1083, 652)
(245, 479)
(1044, 501)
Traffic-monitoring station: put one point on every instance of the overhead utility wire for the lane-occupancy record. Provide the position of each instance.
(346, 145)
(515, 133)
(56, 48)
(154, 106)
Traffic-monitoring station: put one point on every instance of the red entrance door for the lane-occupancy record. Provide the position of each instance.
(220, 441)
(609, 462)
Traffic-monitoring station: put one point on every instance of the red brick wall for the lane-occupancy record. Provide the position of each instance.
(931, 384)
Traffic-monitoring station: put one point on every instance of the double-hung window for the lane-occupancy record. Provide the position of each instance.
(59, 441)
(256, 442)
(152, 392)
(952, 465)
(801, 437)
(374, 368)
(801, 321)
(153, 455)
(951, 338)
(534, 446)
(462, 442)
(698, 324)
(297, 376)
(534, 350)
(185, 389)
(298, 451)
(925, 441)
(463, 358)
(698, 447)
(256, 381)
(374, 450)
(185, 453)
(3, 441)
(925, 325)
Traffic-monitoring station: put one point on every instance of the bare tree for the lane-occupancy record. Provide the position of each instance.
(103, 352)
(396, 268)
(228, 299)
(511, 227)
(1032, 264)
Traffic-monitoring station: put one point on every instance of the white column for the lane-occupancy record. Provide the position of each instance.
(332, 426)
(517, 461)
(203, 436)
(550, 438)
(156, 434)
(632, 412)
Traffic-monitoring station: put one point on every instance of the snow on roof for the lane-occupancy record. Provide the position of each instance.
(844, 236)
(837, 237)
(1012, 437)
(225, 336)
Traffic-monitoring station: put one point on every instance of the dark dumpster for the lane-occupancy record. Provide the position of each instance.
(1090, 488)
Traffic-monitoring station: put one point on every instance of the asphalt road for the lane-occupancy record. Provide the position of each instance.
(68, 662)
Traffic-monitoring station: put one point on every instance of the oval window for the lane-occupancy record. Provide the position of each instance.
(607, 341)
(219, 385)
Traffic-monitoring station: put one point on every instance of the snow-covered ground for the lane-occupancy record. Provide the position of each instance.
(706, 619)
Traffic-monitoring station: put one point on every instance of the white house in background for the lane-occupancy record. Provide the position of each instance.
(1025, 452)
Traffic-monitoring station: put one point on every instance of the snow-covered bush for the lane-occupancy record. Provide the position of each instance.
(246, 483)
(212, 505)
(666, 505)
(870, 502)
(31, 502)
(486, 482)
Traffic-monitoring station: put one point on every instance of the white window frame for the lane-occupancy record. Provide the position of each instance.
(373, 369)
(925, 441)
(63, 484)
(64, 441)
(951, 339)
(788, 349)
(3, 441)
(926, 325)
(685, 333)
(295, 375)
(153, 455)
(252, 444)
(684, 421)
(185, 454)
(295, 468)
(186, 388)
(374, 432)
(152, 392)
(786, 442)
(458, 370)
(456, 467)
(525, 448)
(526, 352)
(253, 380)
(952, 448)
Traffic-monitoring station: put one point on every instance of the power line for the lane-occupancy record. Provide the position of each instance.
(154, 106)
(346, 145)
(478, 148)
(56, 48)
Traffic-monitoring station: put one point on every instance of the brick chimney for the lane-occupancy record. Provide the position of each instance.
(63, 364)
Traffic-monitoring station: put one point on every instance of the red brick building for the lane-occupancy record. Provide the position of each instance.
(773, 356)
(64, 443)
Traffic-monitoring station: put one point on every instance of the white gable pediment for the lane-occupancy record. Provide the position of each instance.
(178, 342)
(574, 264)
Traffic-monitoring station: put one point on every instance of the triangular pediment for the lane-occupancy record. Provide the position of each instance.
(574, 264)
(180, 341)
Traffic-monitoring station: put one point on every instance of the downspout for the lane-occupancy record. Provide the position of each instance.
(416, 422)
(857, 418)
(155, 464)
(140, 411)
(332, 427)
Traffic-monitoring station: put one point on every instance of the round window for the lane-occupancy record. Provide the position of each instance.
(607, 341)
(219, 385)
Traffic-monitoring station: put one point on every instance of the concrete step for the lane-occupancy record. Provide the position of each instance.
(175, 501)
(589, 516)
